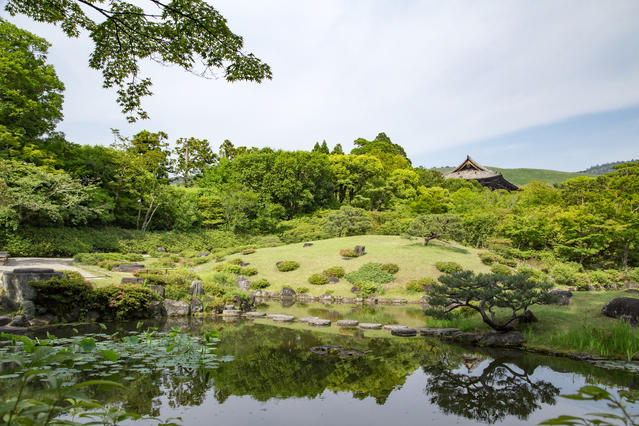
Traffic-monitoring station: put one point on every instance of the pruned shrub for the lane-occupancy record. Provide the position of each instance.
(213, 289)
(372, 272)
(62, 295)
(533, 272)
(565, 273)
(259, 284)
(229, 268)
(488, 258)
(200, 260)
(226, 279)
(301, 290)
(334, 272)
(248, 251)
(419, 285)
(248, 271)
(348, 252)
(125, 301)
(391, 268)
(448, 267)
(236, 261)
(95, 258)
(108, 264)
(369, 288)
(287, 265)
(501, 269)
(178, 277)
(318, 279)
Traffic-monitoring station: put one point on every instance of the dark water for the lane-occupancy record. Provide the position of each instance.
(275, 379)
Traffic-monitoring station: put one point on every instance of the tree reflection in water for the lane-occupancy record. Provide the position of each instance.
(500, 389)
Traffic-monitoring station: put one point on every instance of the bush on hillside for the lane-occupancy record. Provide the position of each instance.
(501, 269)
(259, 284)
(96, 258)
(371, 272)
(213, 289)
(488, 258)
(419, 285)
(334, 272)
(391, 268)
(369, 288)
(287, 266)
(124, 301)
(301, 290)
(62, 295)
(565, 273)
(248, 271)
(448, 267)
(318, 279)
(348, 252)
(178, 277)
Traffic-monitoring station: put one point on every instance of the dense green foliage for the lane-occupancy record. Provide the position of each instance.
(318, 279)
(287, 266)
(370, 272)
(335, 272)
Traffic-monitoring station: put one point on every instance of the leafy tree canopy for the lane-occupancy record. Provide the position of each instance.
(188, 33)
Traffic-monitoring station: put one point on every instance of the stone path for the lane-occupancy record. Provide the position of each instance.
(55, 263)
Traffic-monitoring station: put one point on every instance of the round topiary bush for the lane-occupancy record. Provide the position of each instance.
(236, 261)
(259, 284)
(501, 269)
(249, 271)
(301, 290)
(318, 279)
(369, 288)
(448, 267)
(287, 265)
(348, 252)
(391, 268)
(334, 271)
(419, 285)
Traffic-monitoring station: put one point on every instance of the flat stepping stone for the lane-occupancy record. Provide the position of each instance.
(404, 332)
(370, 326)
(398, 301)
(438, 331)
(392, 327)
(231, 313)
(318, 322)
(307, 319)
(347, 323)
(281, 317)
(255, 314)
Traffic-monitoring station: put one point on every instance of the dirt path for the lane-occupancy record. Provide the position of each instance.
(59, 264)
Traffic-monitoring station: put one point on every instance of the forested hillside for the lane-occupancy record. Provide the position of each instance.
(602, 169)
(150, 181)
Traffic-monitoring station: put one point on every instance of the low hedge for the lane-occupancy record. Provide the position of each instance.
(370, 272)
(287, 266)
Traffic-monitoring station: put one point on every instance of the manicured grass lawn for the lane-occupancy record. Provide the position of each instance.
(107, 277)
(414, 260)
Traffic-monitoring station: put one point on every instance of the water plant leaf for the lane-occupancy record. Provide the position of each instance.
(109, 355)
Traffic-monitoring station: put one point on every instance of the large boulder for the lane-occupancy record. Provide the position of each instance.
(19, 321)
(196, 306)
(196, 288)
(625, 308)
(561, 297)
(16, 282)
(176, 308)
(5, 320)
(507, 339)
(128, 267)
(360, 250)
(243, 283)
(158, 289)
(287, 293)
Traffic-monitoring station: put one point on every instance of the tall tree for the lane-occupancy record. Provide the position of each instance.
(30, 91)
(188, 33)
(193, 155)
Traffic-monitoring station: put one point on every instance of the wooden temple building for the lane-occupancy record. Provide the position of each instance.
(470, 169)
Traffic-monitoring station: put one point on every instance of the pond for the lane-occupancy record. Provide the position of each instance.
(272, 374)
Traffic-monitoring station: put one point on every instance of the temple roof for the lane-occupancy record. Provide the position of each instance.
(470, 169)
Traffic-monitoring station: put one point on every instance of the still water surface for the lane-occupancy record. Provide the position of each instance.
(273, 378)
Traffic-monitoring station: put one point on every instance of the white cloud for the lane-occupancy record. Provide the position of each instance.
(430, 74)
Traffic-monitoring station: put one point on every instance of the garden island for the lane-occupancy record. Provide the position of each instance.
(160, 280)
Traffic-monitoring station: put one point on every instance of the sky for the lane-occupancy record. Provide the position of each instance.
(544, 84)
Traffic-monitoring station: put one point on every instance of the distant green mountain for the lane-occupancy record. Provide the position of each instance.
(523, 176)
(602, 169)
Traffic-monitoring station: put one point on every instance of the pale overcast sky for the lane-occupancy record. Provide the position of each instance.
(549, 84)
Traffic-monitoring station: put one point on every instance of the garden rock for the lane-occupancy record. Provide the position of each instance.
(255, 314)
(392, 327)
(370, 326)
(333, 280)
(196, 306)
(632, 291)
(281, 317)
(203, 254)
(71, 316)
(398, 301)
(563, 297)
(287, 302)
(326, 298)
(4, 320)
(132, 280)
(44, 319)
(348, 300)
(158, 289)
(508, 339)
(404, 332)
(231, 313)
(355, 289)
(93, 316)
(307, 245)
(287, 293)
(16, 282)
(243, 283)
(7, 305)
(196, 288)
(306, 319)
(318, 322)
(437, 332)
(161, 250)
(528, 317)
(19, 321)
(347, 323)
(360, 250)
(128, 267)
(176, 308)
(156, 309)
(28, 309)
(626, 308)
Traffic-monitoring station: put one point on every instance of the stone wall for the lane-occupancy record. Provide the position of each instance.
(15, 284)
